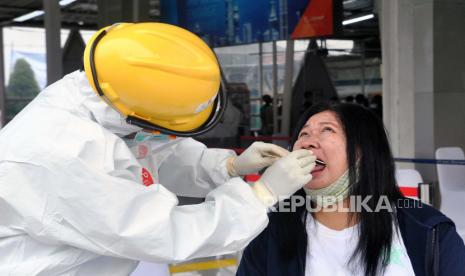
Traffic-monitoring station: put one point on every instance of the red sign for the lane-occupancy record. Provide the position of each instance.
(318, 19)
(409, 191)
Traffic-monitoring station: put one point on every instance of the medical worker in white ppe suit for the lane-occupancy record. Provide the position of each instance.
(74, 199)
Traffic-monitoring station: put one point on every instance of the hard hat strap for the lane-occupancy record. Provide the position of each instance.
(92, 62)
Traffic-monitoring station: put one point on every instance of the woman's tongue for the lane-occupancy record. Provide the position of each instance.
(320, 165)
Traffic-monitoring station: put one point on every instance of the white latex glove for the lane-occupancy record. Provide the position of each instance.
(256, 157)
(285, 177)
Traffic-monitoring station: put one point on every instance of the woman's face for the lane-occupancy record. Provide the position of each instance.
(323, 134)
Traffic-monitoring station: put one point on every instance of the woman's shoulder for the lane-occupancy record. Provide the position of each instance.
(421, 213)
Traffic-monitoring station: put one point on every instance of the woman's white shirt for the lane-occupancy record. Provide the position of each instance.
(329, 252)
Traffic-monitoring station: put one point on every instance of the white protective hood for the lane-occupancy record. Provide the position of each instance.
(73, 202)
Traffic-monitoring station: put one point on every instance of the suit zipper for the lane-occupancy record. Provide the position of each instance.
(433, 265)
(433, 240)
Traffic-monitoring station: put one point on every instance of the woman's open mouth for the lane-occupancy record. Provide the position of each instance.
(320, 165)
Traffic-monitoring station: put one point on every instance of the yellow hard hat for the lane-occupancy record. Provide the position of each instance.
(159, 76)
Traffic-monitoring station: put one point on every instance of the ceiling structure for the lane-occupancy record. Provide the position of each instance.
(84, 14)
(80, 13)
(366, 33)
(357, 8)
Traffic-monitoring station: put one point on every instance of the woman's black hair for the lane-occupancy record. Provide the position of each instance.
(367, 142)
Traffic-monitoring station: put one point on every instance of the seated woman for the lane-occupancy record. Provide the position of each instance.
(373, 230)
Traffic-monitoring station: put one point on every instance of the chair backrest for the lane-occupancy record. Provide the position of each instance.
(451, 177)
(407, 180)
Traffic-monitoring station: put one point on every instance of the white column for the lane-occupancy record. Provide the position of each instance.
(449, 73)
(2, 82)
(397, 72)
(423, 37)
(423, 44)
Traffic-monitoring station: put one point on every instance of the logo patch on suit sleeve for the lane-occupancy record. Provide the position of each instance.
(147, 179)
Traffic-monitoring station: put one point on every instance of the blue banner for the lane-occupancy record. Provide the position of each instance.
(233, 22)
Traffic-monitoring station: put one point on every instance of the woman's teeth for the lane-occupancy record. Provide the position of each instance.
(319, 162)
(320, 165)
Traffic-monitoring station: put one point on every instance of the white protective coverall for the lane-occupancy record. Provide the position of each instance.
(73, 202)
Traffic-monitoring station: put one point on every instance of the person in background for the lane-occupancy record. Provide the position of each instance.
(355, 222)
(74, 198)
(266, 115)
(361, 100)
(349, 99)
(377, 105)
